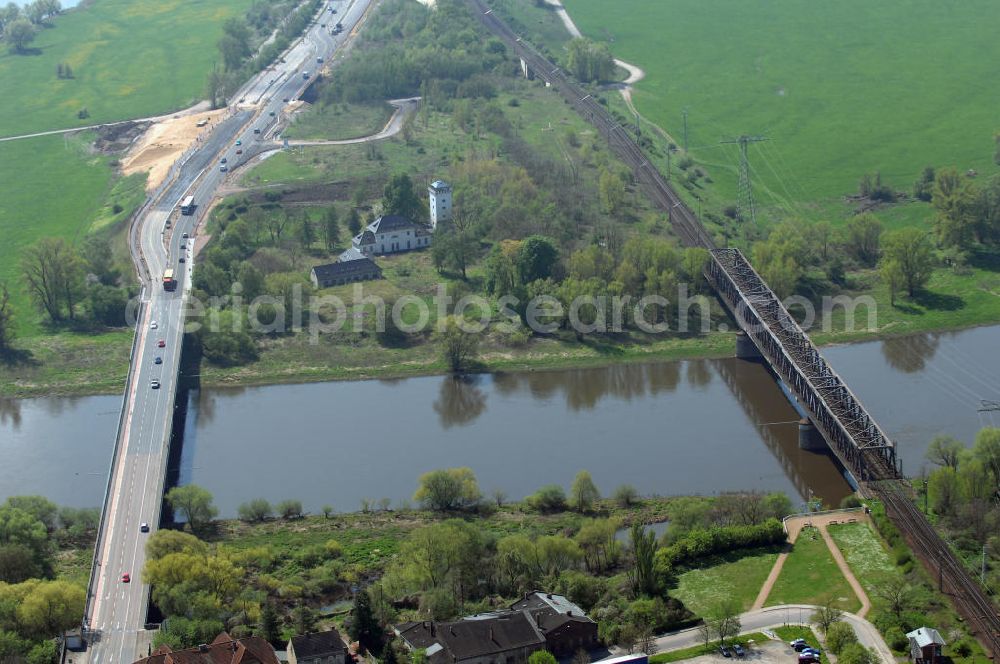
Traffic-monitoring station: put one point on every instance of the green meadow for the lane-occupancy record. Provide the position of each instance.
(130, 58)
(839, 89)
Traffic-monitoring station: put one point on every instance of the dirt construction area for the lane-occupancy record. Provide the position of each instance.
(768, 652)
(164, 142)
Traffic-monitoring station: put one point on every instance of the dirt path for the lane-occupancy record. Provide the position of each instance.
(794, 526)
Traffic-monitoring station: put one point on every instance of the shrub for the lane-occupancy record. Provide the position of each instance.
(448, 489)
(700, 543)
(258, 509)
(550, 498)
(333, 548)
(289, 509)
(626, 495)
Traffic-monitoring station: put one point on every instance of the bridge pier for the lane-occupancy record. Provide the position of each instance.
(526, 70)
(746, 349)
(809, 437)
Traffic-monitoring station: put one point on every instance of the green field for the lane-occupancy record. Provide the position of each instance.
(864, 552)
(339, 121)
(740, 579)
(838, 88)
(130, 58)
(810, 576)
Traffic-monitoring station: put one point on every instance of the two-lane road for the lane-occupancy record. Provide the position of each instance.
(117, 610)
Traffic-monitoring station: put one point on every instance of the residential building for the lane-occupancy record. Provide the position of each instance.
(345, 272)
(223, 650)
(439, 194)
(925, 645)
(390, 234)
(540, 621)
(317, 648)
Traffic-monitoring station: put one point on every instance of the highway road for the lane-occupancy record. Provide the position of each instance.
(116, 610)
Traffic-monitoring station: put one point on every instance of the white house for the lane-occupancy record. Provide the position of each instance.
(440, 198)
(390, 234)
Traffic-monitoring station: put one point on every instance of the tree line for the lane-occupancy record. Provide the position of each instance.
(35, 608)
(799, 257)
(19, 26)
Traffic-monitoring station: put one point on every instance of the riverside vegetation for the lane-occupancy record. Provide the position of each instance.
(277, 572)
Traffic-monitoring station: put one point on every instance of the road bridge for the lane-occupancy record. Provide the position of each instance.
(115, 618)
(850, 431)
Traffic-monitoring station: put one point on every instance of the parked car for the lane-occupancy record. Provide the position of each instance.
(796, 642)
(738, 649)
(256, 130)
(724, 651)
(808, 658)
(800, 646)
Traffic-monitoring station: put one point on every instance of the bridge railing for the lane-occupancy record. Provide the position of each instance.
(855, 436)
(91, 585)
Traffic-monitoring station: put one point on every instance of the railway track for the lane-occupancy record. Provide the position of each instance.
(883, 480)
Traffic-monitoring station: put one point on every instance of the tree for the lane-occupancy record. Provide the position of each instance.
(18, 526)
(289, 509)
(642, 576)
(862, 236)
(305, 619)
(725, 618)
(908, 252)
(364, 626)
(399, 197)
(954, 201)
(53, 274)
(51, 608)
(194, 502)
(307, 232)
(987, 451)
(589, 61)
(258, 509)
(541, 657)
(327, 511)
(354, 222)
(108, 305)
(536, 257)
(855, 653)
(826, 615)
(234, 45)
(895, 592)
(448, 489)
(18, 563)
(923, 189)
(19, 33)
(39, 507)
(459, 347)
(269, 628)
(99, 261)
(583, 493)
(944, 451)
(164, 542)
(549, 498)
(892, 274)
(6, 321)
(331, 228)
(838, 636)
(455, 246)
(611, 188)
(626, 495)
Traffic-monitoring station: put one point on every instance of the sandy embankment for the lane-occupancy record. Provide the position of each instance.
(163, 143)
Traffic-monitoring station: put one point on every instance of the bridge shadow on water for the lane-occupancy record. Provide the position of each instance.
(188, 387)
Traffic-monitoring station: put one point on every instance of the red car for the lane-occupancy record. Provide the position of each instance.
(126, 578)
(161, 343)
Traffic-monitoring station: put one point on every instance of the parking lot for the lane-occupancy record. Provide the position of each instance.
(768, 652)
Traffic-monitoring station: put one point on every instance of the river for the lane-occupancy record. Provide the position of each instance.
(699, 426)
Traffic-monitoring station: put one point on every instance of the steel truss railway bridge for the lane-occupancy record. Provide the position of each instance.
(851, 433)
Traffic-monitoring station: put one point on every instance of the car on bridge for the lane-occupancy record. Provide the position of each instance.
(155, 384)
(161, 343)
(153, 325)
(158, 360)
(126, 578)
(143, 527)
(239, 142)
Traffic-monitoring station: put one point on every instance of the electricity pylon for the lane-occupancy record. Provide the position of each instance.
(744, 202)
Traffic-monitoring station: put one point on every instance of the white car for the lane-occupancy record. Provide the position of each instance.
(153, 325)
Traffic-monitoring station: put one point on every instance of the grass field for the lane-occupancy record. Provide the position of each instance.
(839, 89)
(739, 579)
(810, 576)
(864, 552)
(339, 121)
(130, 58)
